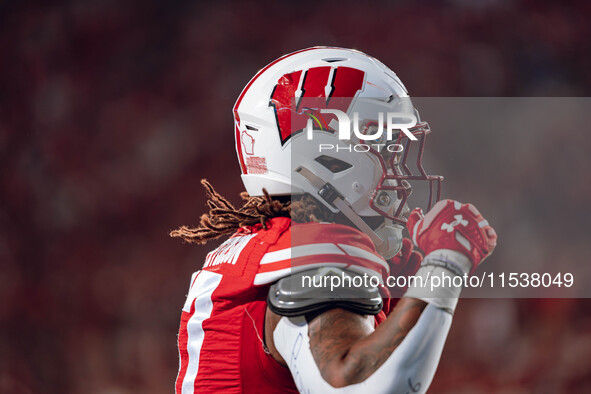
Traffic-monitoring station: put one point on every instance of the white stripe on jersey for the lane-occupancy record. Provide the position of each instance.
(320, 249)
(269, 277)
(364, 254)
(300, 251)
(201, 292)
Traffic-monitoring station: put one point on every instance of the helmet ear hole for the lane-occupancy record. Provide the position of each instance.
(333, 164)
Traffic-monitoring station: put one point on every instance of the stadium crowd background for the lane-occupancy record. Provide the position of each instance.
(111, 112)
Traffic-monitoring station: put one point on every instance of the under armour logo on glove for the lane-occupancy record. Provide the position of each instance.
(449, 227)
(455, 226)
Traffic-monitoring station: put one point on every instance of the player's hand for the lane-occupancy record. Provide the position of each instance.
(455, 226)
(405, 263)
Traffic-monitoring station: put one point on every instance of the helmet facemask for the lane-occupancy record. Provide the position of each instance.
(390, 196)
(392, 191)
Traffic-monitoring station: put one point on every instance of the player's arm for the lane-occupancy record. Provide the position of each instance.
(340, 351)
(345, 346)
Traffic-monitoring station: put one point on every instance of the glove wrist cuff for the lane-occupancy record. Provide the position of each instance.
(436, 285)
(452, 260)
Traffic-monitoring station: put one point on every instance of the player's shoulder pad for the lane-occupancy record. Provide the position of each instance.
(321, 289)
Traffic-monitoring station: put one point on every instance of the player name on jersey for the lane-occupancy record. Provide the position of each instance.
(228, 252)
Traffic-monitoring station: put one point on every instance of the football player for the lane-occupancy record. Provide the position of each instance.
(284, 305)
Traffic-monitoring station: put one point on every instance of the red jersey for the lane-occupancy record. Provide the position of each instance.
(220, 340)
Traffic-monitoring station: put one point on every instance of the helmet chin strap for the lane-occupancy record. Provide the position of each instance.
(334, 198)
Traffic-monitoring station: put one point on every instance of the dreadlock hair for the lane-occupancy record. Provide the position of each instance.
(223, 218)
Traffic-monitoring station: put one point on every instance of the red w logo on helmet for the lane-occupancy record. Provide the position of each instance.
(337, 85)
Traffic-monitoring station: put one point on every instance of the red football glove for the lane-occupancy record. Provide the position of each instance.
(405, 263)
(452, 225)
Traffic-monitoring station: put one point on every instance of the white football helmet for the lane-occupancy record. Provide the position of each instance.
(287, 140)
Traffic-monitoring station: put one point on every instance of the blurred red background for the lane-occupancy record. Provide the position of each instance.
(103, 111)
